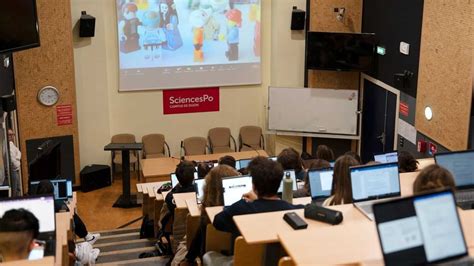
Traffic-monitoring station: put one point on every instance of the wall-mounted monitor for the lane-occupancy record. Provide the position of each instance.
(341, 51)
(18, 25)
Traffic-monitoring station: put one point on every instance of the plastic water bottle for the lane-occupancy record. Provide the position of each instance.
(287, 188)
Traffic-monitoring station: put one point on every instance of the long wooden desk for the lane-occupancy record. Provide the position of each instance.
(236, 155)
(158, 169)
(46, 261)
(422, 163)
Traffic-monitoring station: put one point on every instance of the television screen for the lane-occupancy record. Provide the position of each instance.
(341, 51)
(18, 25)
(48, 163)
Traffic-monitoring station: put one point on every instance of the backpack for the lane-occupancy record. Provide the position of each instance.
(146, 229)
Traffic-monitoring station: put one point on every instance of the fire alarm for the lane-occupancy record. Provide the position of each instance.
(421, 146)
(433, 149)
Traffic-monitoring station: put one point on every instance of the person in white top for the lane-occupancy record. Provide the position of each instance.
(15, 157)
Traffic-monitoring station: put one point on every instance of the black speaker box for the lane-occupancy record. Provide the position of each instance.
(86, 25)
(297, 19)
(95, 176)
(8, 103)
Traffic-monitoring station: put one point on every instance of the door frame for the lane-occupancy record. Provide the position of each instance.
(388, 88)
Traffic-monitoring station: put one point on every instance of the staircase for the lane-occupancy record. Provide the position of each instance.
(123, 246)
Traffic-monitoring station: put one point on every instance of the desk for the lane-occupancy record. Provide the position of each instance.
(193, 207)
(126, 200)
(236, 155)
(181, 198)
(46, 261)
(422, 163)
(63, 225)
(158, 168)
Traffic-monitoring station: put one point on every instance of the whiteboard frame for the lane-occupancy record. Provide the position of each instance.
(313, 134)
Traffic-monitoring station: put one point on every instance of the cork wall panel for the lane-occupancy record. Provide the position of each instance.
(323, 18)
(445, 78)
(50, 64)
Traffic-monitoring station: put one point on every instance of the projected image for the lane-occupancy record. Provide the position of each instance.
(185, 37)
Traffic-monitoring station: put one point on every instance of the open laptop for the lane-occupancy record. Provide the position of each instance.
(199, 187)
(371, 183)
(292, 176)
(242, 163)
(42, 208)
(320, 183)
(420, 230)
(461, 165)
(62, 188)
(5, 192)
(390, 157)
(234, 187)
(174, 179)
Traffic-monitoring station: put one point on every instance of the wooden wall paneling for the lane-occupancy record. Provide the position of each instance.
(50, 64)
(445, 78)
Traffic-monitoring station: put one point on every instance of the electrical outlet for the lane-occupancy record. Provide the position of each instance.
(404, 48)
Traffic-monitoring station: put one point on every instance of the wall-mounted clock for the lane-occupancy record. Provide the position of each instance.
(48, 96)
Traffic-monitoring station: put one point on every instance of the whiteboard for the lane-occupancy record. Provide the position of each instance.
(313, 110)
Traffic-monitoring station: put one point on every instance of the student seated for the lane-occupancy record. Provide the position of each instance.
(315, 164)
(341, 181)
(433, 177)
(227, 160)
(355, 155)
(18, 231)
(406, 162)
(289, 159)
(266, 178)
(323, 152)
(212, 196)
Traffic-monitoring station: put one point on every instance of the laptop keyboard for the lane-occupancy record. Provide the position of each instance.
(465, 196)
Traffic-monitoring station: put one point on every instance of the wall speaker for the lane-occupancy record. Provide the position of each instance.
(8, 103)
(95, 176)
(297, 19)
(86, 25)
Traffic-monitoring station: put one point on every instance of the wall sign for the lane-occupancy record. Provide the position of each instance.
(64, 114)
(404, 109)
(190, 100)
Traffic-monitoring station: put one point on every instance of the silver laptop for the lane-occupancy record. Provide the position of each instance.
(234, 187)
(420, 230)
(390, 157)
(373, 183)
(320, 183)
(292, 176)
(461, 165)
(174, 179)
(62, 188)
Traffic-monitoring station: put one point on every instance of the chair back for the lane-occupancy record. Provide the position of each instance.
(123, 138)
(153, 145)
(252, 136)
(246, 254)
(219, 140)
(194, 146)
(217, 240)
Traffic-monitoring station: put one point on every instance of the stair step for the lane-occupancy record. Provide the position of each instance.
(114, 238)
(118, 231)
(153, 261)
(122, 255)
(123, 245)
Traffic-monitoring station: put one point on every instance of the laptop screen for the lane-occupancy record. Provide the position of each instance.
(174, 178)
(391, 157)
(421, 229)
(235, 187)
(199, 186)
(243, 163)
(62, 188)
(375, 181)
(320, 183)
(460, 165)
(292, 175)
(42, 208)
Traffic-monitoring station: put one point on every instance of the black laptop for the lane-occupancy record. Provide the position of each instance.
(461, 165)
(420, 230)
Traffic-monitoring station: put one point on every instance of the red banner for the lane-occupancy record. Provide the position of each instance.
(404, 109)
(190, 101)
(64, 114)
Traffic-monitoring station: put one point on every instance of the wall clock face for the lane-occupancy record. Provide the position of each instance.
(48, 96)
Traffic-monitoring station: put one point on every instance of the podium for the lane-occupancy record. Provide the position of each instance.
(126, 200)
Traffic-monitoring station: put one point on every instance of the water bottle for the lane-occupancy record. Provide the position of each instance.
(287, 188)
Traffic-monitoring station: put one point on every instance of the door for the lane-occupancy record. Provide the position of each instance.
(379, 112)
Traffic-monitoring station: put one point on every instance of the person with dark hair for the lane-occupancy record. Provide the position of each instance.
(433, 177)
(316, 164)
(290, 159)
(18, 231)
(227, 160)
(323, 152)
(406, 162)
(185, 174)
(45, 187)
(354, 155)
(341, 181)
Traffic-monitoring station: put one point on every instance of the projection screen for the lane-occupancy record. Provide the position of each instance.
(172, 44)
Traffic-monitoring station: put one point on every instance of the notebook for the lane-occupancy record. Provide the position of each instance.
(235, 187)
(419, 230)
(62, 188)
(42, 208)
(320, 183)
(371, 183)
(391, 157)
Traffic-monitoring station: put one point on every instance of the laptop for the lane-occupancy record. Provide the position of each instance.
(460, 164)
(242, 163)
(199, 187)
(5, 192)
(391, 157)
(372, 183)
(292, 175)
(174, 179)
(273, 158)
(62, 188)
(42, 208)
(234, 187)
(420, 230)
(332, 163)
(320, 183)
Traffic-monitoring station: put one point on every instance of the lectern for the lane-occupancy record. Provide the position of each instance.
(126, 200)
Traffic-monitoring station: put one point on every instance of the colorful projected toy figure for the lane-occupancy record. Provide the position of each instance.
(169, 24)
(234, 21)
(128, 29)
(197, 19)
(255, 13)
(153, 35)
